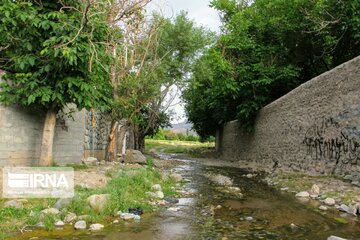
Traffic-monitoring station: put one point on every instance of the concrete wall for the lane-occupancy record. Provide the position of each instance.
(21, 131)
(314, 128)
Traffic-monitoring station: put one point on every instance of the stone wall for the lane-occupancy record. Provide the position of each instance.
(314, 128)
(97, 130)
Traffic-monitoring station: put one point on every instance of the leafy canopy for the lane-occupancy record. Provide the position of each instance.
(53, 53)
(267, 48)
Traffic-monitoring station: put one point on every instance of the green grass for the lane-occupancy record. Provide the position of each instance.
(177, 147)
(127, 189)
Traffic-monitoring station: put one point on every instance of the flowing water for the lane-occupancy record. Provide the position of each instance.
(261, 212)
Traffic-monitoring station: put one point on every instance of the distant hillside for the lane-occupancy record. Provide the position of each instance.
(183, 127)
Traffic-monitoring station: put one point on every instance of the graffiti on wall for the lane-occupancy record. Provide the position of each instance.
(328, 141)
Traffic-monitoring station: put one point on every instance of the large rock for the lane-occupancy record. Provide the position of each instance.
(134, 156)
(98, 201)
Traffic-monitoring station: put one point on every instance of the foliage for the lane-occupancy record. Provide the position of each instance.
(171, 47)
(267, 48)
(194, 149)
(163, 134)
(53, 54)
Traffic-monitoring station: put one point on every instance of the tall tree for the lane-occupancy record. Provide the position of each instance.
(267, 48)
(168, 50)
(54, 54)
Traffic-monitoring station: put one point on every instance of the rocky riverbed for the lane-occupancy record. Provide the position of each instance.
(224, 202)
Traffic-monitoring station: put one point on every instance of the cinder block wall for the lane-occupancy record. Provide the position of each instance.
(314, 128)
(21, 132)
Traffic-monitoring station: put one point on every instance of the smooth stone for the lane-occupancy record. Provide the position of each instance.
(249, 219)
(14, 204)
(127, 216)
(116, 221)
(96, 227)
(80, 225)
(52, 211)
(284, 189)
(315, 190)
(156, 187)
(59, 223)
(344, 208)
(323, 208)
(134, 156)
(177, 177)
(98, 201)
(335, 238)
(302, 195)
(173, 209)
(171, 200)
(329, 201)
(160, 195)
(70, 217)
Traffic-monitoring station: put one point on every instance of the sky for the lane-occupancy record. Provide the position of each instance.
(198, 11)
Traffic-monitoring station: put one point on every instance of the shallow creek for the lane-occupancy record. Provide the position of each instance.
(212, 211)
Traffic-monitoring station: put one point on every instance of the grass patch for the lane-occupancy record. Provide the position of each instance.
(176, 147)
(127, 189)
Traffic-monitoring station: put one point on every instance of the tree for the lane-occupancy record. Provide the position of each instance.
(167, 49)
(266, 49)
(54, 54)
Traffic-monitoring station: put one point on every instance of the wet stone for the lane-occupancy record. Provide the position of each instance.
(80, 225)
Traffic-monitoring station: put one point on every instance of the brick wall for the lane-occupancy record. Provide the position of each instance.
(314, 128)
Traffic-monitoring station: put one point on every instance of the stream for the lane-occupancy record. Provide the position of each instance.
(212, 211)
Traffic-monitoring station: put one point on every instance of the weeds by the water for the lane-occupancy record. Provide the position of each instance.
(127, 189)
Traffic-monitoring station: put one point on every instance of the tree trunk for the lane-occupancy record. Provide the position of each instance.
(139, 140)
(110, 153)
(47, 141)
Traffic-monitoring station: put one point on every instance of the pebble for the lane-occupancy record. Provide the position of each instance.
(249, 219)
(284, 189)
(156, 187)
(160, 194)
(335, 238)
(80, 225)
(323, 208)
(116, 221)
(96, 227)
(344, 208)
(177, 177)
(59, 223)
(70, 217)
(302, 194)
(52, 211)
(315, 190)
(174, 209)
(127, 216)
(329, 201)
